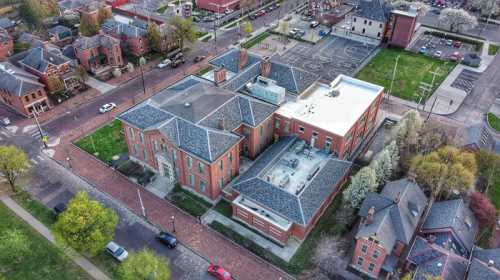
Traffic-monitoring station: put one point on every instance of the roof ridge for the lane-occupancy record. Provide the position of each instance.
(217, 109)
(208, 144)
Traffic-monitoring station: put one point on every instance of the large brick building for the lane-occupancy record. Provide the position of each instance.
(217, 6)
(401, 27)
(98, 54)
(133, 36)
(388, 224)
(6, 44)
(21, 90)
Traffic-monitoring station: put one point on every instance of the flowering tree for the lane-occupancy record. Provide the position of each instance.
(483, 209)
(363, 182)
(456, 20)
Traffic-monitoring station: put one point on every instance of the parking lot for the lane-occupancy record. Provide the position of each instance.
(441, 48)
(465, 80)
(304, 28)
(329, 58)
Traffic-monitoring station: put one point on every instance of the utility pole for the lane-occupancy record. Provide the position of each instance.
(426, 87)
(393, 76)
(216, 23)
(35, 116)
(142, 61)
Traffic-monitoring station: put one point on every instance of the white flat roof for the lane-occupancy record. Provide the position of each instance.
(333, 114)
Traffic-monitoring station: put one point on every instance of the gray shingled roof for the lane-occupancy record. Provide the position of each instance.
(30, 39)
(393, 221)
(4, 35)
(61, 31)
(39, 59)
(130, 30)
(453, 214)
(432, 260)
(17, 82)
(296, 208)
(145, 116)
(6, 23)
(372, 9)
(293, 79)
(84, 43)
(231, 60)
(480, 268)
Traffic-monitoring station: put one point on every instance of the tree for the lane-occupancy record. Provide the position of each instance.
(246, 5)
(247, 28)
(88, 27)
(488, 165)
(486, 7)
(103, 14)
(483, 210)
(284, 30)
(86, 225)
(456, 20)
(13, 163)
(329, 255)
(383, 166)
(184, 29)
(445, 170)
(154, 36)
(363, 182)
(406, 134)
(55, 84)
(14, 245)
(421, 7)
(144, 265)
(431, 136)
(393, 150)
(81, 73)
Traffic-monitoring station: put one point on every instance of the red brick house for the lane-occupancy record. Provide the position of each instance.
(192, 133)
(133, 36)
(388, 224)
(60, 35)
(217, 6)
(6, 44)
(44, 64)
(90, 10)
(21, 91)
(401, 27)
(98, 54)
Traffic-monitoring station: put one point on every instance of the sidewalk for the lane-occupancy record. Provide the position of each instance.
(91, 269)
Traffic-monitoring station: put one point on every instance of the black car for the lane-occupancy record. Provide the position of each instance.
(167, 239)
(199, 58)
(59, 208)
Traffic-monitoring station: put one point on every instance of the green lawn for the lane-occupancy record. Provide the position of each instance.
(224, 208)
(44, 260)
(189, 202)
(412, 69)
(302, 260)
(494, 121)
(493, 49)
(107, 141)
(255, 40)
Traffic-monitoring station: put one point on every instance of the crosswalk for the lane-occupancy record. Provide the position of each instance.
(33, 132)
(36, 160)
(4, 134)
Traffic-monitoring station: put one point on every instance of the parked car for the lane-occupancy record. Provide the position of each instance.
(252, 16)
(59, 208)
(261, 13)
(270, 8)
(456, 56)
(107, 107)
(449, 42)
(164, 63)
(6, 121)
(218, 272)
(167, 239)
(438, 54)
(196, 19)
(199, 58)
(314, 24)
(116, 251)
(301, 33)
(457, 44)
(423, 50)
(228, 11)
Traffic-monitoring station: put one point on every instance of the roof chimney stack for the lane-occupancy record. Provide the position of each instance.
(243, 58)
(265, 67)
(220, 75)
(222, 123)
(369, 217)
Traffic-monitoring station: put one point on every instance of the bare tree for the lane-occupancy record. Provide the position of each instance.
(329, 255)
(486, 7)
(456, 20)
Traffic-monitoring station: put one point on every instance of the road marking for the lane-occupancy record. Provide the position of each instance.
(34, 161)
(4, 133)
(28, 128)
(49, 152)
(12, 128)
(40, 158)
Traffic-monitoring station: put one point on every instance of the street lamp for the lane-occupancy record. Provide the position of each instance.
(68, 159)
(142, 62)
(216, 23)
(173, 223)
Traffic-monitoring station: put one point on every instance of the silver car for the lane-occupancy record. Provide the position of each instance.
(116, 251)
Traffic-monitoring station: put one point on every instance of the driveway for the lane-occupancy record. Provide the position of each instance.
(100, 86)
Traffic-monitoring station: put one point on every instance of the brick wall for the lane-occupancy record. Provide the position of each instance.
(6, 49)
(23, 104)
(212, 5)
(368, 254)
(403, 30)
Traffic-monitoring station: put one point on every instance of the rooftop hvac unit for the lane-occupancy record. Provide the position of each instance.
(313, 172)
(284, 181)
(334, 92)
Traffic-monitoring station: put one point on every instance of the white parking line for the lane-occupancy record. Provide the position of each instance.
(40, 158)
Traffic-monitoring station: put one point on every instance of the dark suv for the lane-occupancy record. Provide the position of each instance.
(167, 239)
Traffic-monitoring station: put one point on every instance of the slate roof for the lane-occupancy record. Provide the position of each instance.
(84, 43)
(4, 35)
(296, 208)
(17, 82)
(6, 23)
(188, 114)
(479, 267)
(393, 220)
(134, 30)
(30, 39)
(40, 59)
(61, 31)
(455, 215)
(372, 9)
(294, 80)
(432, 260)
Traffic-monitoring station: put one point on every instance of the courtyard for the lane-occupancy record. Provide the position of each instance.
(329, 58)
(412, 70)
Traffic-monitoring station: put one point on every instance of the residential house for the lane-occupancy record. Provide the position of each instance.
(6, 44)
(31, 40)
(217, 6)
(485, 264)
(90, 10)
(46, 64)
(446, 241)
(369, 19)
(133, 36)
(389, 220)
(98, 54)
(192, 133)
(7, 24)
(21, 91)
(60, 35)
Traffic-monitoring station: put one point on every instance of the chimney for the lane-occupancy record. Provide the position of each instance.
(491, 263)
(222, 123)
(265, 67)
(369, 217)
(243, 58)
(397, 198)
(220, 75)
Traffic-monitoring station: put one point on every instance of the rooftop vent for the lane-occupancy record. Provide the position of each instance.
(334, 92)
(187, 104)
(439, 264)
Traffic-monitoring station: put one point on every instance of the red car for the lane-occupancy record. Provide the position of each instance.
(218, 272)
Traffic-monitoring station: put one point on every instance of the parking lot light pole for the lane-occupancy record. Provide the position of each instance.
(173, 224)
